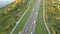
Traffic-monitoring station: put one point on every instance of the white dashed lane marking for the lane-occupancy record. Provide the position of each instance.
(33, 9)
(34, 21)
(36, 13)
(31, 32)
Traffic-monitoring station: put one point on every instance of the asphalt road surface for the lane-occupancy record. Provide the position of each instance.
(31, 22)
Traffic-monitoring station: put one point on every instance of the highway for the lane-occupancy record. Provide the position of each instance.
(31, 22)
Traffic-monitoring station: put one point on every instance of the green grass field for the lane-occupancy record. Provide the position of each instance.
(40, 27)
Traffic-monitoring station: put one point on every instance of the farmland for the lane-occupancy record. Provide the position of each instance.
(10, 14)
(52, 15)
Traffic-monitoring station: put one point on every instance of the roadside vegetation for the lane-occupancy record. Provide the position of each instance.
(52, 11)
(40, 26)
(10, 14)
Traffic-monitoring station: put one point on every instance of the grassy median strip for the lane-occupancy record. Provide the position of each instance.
(40, 28)
(23, 21)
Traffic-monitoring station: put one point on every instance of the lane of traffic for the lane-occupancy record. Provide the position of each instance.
(31, 27)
